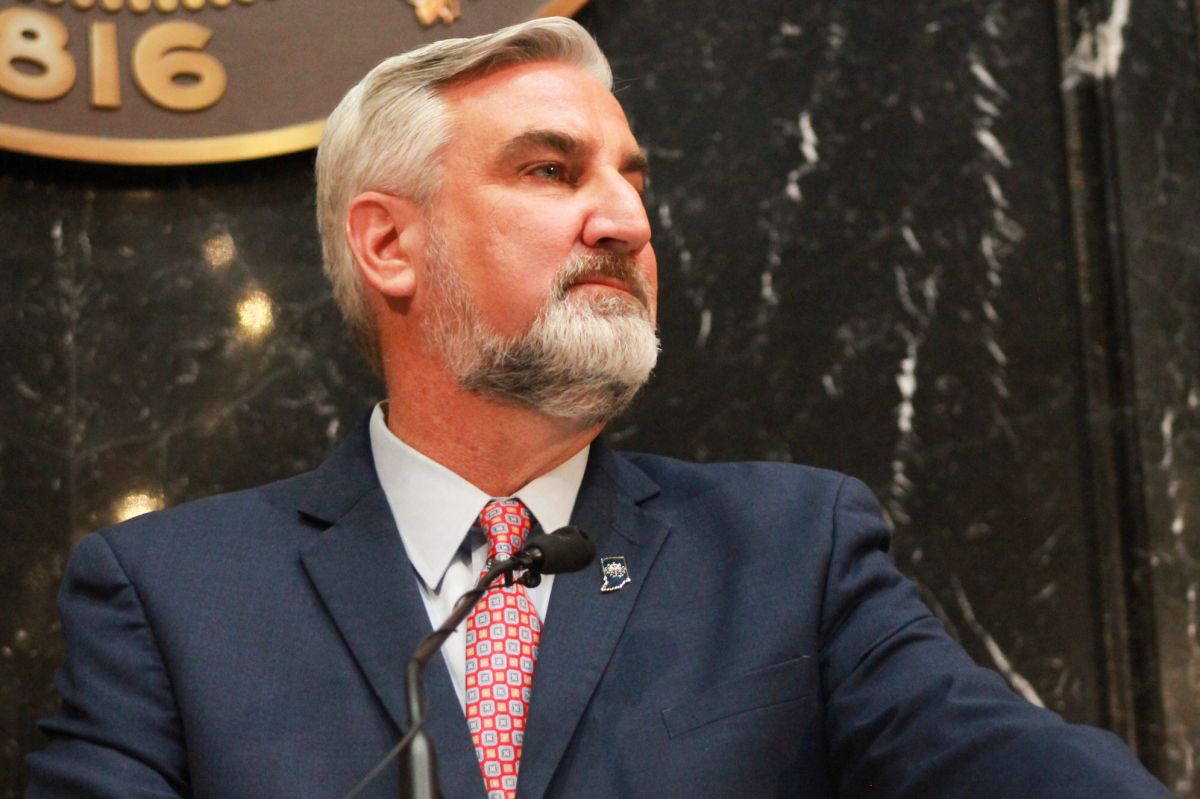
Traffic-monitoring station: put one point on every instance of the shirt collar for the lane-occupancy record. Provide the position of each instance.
(434, 508)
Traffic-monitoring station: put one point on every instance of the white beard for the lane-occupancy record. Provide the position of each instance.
(582, 360)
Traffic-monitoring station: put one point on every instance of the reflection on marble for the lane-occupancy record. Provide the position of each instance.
(861, 216)
(135, 503)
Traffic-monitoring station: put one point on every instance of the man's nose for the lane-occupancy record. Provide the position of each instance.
(617, 220)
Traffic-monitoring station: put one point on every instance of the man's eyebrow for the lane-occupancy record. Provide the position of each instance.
(636, 162)
(556, 140)
(566, 145)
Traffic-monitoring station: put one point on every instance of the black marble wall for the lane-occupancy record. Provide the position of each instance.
(948, 247)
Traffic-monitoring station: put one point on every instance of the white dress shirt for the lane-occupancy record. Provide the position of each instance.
(434, 510)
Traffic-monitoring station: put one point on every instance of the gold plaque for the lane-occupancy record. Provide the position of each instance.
(203, 81)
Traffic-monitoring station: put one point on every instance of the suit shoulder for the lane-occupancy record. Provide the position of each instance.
(769, 478)
(786, 510)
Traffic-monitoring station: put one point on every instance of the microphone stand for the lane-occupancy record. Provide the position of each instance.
(422, 780)
(567, 549)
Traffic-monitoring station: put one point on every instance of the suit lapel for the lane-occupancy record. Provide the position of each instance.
(359, 568)
(584, 625)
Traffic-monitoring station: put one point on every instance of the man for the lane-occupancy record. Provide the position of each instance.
(479, 203)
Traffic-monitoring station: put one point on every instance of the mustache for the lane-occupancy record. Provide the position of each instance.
(619, 267)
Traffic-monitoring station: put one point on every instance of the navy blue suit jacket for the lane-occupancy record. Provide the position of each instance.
(253, 645)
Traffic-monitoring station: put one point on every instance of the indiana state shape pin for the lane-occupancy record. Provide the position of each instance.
(615, 571)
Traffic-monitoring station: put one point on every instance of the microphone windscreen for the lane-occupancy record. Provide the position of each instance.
(567, 549)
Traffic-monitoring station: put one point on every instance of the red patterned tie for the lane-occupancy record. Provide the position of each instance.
(502, 646)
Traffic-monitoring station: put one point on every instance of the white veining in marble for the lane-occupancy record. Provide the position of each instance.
(1097, 53)
(1001, 661)
(912, 241)
(990, 143)
(997, 240)
(921, 314)
(808, 151)
(808, 139)
(1167, 464)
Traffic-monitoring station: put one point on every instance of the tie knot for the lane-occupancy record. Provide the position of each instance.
(506, 523)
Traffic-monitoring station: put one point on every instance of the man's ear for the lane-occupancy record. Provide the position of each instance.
(386, 233)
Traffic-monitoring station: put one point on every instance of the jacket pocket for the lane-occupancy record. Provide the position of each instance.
(783, 682)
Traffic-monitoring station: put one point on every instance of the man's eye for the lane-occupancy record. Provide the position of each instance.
(551, 172)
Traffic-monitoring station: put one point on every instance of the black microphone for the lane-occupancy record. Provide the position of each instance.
(567, 549)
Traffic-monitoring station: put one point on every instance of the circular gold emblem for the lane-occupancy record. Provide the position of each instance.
(194, 81)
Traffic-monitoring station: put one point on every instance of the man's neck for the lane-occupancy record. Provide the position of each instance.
(495, 446)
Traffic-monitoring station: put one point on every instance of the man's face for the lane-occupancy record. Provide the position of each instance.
(540, 258)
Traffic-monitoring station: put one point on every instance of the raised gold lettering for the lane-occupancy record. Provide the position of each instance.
(36, 41)
(106, 69)
(170, 68)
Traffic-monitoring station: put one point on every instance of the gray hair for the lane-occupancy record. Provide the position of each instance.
(388, 132)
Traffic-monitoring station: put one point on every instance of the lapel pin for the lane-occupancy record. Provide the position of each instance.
(616, 573)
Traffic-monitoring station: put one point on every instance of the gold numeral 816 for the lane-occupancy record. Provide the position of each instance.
(168, 64)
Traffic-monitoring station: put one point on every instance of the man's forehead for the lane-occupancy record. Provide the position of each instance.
(549, 96)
